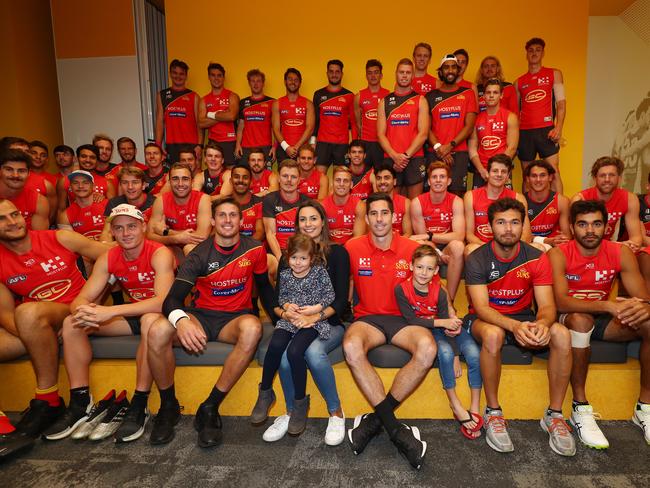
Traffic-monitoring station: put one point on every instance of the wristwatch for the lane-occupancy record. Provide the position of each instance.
(453, 143)
(166, 231)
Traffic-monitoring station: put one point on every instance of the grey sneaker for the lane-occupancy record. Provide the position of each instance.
(559, 434)
(298, 419)
(496, 433)
(265, 399)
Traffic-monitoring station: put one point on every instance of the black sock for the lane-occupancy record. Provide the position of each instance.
(140, 399)
(576, 403)
(394, 403)
(489, 409)
(216, 397)
(118, 297)
(549, 411)
(168, 396)
(641, 403)
(80, 396)
(384, 411)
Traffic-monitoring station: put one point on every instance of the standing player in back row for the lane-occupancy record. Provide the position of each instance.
(542, 110)
(422, 82)
(293, 117)
(365, 112)
(218, 112)
(334, 108)
(402, 127)
(254, 127)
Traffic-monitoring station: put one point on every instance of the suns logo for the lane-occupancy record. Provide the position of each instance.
(523, 273)
(551, 211)
(402, 264)
(243, 262)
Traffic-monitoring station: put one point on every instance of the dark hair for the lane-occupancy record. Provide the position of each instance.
(7, 141)
(215, 146)
(40, 144)
(539, 163)
(325, 242)
(302, 242)
(88, 147)
(186, 148)
(63, 148)
(535, 41)
(153, 144)
(212, 66)
(292, 71)
(503, 205)
(502, 159)
(357, 143)
(581, 207)
(15, 156)
(379, 197)
(255, 72)
(424, 250)
(335, 62)
(425, 45)
(242, 165)
(224, 200)
(463, 52)
(256, 150)
(386, 167)
(374, 63)
(493, 81)
(177, 63)
(124, 139)
(607, 161)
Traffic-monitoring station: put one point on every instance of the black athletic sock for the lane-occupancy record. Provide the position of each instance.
(394, 403)
(80, 396)
(549, 411)
(216, 397)
(384, 411)
(118, 297)
(576, 403)
(168, 396)
(489, 409)
(140, 399)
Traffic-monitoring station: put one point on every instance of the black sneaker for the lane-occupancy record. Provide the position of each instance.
(408, 443)
(14, 444)
(207, 423)
(38, 417)
(74, 416)
(365, 427)
(133, 425)
(163, 424)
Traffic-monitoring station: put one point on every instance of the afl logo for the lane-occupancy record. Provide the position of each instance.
(293, 122)
(536, 96)
(371, 114)
(491, 142)
(50, 292)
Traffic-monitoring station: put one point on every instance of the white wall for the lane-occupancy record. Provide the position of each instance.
(618, 80)
(100, 94)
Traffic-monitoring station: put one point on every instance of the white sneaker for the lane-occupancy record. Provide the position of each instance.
(583, 419)
(641, 418)
(277, 430)
(335, 432)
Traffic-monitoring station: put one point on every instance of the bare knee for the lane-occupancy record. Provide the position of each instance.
(580, 322)
(250, 333)
(456, 249)
(492, 339)
(29, 318)
(160, 334)
(560, 337)
(425, 353)
(354, 350)
(147, 321)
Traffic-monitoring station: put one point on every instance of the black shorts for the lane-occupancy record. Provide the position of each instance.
(601, 321)
(228, 151)
(328, 153)
(524, 316)
(413, 174)
(459, 168)
(173, 151)
(374, 154)
(388, 324)
(134, 323)
(535, 141)
(213, 321)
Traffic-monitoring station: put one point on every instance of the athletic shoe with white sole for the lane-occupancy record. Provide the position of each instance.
(75, 415)
(96, 415)
(133, 425)
(363, 430)
(496, 431)
(583, 420)
(111, 422)
(641, 418)
(559, 434)
(39, 417)
(408, 443)
(335, 433)
(277, 430)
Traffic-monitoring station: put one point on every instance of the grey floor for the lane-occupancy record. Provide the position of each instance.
(245, 460)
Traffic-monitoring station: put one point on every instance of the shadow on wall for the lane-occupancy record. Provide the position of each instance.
(632, 145)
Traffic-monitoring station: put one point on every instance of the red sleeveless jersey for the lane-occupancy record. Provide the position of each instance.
(616, 210)
(310, 186)
(362, 184)
(481, 202)
(256, 114)
(399, 209)
(537, 100)
(293, 118)
(36, 181)
(263, 184)
(424, 307)
(334, 115)
(46, 273)
(402, 113)
(591, 277)
(492, 133)
(87, 221)
(437, 216)
(221, 131)
(423, 84)
(508, 98)
(644, 213)
(544, 216)
(251, 213)
(136, 276)
(27, 202)
(179, 116)
(181, 217)
(368, 102)
(340, 218)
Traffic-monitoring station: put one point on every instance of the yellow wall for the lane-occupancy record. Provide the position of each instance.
(274, 35)
(28, 86)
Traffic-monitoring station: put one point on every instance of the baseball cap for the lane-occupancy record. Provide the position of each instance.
(126, 209)
(81, 172)
(448, 57)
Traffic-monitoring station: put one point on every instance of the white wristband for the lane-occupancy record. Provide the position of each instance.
(175, 315)
(539, 239)
(211, 115)
(284, 145)
(312, 140)
(436, 146)
(112, 279)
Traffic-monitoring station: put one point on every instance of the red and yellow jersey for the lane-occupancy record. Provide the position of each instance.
(480, 204)
(101, 186)
(368, 102)
(424, 84)
(179, 116)
(181, 217)
(222, 131)
(27, 202)
(284, 213)
(334, 115)
(508, 99)
(362, 184)
(437, 216)
(616, 206)
(251, 213)
(402, 113)
(399, 210)
(88, 221)
(448, 111)
(537, 100)
(340, 218)
(256, 114)
(310, 186)
(424, 307)
(492, 134)
(261, 184)
(293, 118)
(135, 276)
(544, 216)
